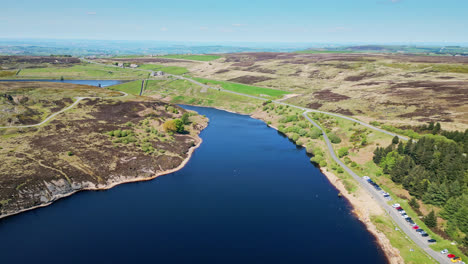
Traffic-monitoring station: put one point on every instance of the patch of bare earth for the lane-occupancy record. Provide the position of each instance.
(74, 152)
(249, 79)
(328, 95)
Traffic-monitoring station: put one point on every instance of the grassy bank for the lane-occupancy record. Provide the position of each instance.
(245, 89)
(290, 121)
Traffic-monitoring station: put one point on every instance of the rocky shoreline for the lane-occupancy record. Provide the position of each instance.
(111, 182)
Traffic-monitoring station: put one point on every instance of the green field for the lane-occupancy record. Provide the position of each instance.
(132, 88)
(169, 69)
(192, 57)
(245, 89)
(83, 71)
(185, 92)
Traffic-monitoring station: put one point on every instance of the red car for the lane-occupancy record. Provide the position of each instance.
(450, 256)
(415, 227)
(399, 208)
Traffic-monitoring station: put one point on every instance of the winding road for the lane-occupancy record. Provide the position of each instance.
(78, 99)
(405, 227)
(294, 106)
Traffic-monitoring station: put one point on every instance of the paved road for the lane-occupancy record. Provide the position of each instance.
(404, 226)
(78, 99)
(294, 106)
(265, 99)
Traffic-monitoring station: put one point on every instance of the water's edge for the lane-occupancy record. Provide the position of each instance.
(109, 186)
(392, 254)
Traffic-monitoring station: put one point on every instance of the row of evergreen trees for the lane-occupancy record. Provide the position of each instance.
(433, 169)
(435, 129)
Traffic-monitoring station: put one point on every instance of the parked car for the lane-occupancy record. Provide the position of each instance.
(415, 227)
(396, 205)
(408, 219)
(432, 240)
(411, 222)
(445, 251)
(366, 178)
(419, 230)
(425, 235)
(414, 224)
(450, 256)
(456, 259)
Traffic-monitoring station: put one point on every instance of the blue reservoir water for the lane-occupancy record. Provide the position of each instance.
(248, 195)
(104, 83)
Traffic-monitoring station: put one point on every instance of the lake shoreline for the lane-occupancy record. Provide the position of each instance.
(190, 152)
(357, 203)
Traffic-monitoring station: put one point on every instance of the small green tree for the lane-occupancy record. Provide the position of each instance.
(430, 220)
(185, 118)
(334, 138)
(395, 140)
(414, 203)
(170, 126)
(343, 152)
(465, 240)
(179, 124)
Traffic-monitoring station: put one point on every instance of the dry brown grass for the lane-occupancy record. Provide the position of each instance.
(394, 89)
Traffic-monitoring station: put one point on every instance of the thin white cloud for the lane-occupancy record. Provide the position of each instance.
(203, 28)
(91, 13)
(164, 29)
(239, 25)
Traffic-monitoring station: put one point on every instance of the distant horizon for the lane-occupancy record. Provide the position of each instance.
(266, 21)
(207, 42)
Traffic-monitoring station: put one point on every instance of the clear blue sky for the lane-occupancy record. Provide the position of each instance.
(240, 20)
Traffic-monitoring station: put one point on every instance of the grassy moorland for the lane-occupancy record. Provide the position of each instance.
(67, 152)
(28, 103)
(318, 51)
(246, 89)
(168, 69)
(290, 122)
(192, 57)
(392, 89)
(83, 71)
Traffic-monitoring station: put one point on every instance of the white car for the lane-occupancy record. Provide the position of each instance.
(366, 177)
(396, 205)
(445, 251)
(402, 212)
